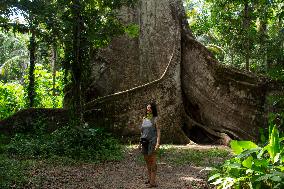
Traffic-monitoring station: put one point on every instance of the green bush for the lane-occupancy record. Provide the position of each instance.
(46, 96)
(11, 98)
(88, 144)
(253, 166)
(14, 98)
(13, 172)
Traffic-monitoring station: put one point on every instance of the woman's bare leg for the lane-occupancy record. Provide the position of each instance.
(153, 169)
(146, 158)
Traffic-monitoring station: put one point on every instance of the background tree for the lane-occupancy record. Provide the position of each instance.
(240, 33)
(76, 32)
(13, 57)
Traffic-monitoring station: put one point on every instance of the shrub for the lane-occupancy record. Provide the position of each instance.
(11, 98)
(88, 144)
(46, 96)
(13, 172)
(14, 98)
(253, 166)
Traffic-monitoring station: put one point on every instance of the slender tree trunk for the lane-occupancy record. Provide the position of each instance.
(280, 59)
(77, 58)
(264, 44)
(31, 86)
(264, 37)
(54, 58)
(246, 25)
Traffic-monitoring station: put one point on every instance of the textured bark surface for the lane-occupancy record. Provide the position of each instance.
(220, 99)
(196, 96)
(149, 69)
(205, 99)
(131, 62)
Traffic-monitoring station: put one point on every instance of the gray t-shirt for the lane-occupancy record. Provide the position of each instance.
(149, 132)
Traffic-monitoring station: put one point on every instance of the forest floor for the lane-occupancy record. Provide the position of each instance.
(184, 167)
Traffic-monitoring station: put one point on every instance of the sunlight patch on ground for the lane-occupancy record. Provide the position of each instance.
(189, 178)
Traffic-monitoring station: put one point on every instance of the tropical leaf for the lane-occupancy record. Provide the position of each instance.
(213, 177)
(274, 143)
(237, 149)
(249, 152)
(248, 162)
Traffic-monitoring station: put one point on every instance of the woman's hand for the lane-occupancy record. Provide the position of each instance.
(157, 147)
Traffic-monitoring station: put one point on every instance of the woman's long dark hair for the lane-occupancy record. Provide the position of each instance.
(153, 108)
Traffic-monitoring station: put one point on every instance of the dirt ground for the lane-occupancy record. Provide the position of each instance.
(130, 173)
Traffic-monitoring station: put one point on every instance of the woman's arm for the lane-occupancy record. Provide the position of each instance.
(158, 137)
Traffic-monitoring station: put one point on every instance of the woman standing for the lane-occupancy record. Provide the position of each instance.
(150, 142)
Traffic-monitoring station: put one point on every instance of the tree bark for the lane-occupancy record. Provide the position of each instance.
(246, 26)
(31, 86)
(77, 60)
(54, 58)
(196, 96)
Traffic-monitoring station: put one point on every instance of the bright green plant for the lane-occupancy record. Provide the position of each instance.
(253, 166)
(11, 98)
(46, 96)
(86, 144)
(13, 56)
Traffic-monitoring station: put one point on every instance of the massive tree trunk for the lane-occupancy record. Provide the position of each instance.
(197, 97)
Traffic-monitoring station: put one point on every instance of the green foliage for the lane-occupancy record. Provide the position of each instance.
(47, 96)
(253, 166)
(11, 99)
(13, 56)
(246, 31)
(132, 30)
(13, 172)
(87, 144)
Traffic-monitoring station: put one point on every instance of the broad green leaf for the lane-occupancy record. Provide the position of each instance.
(276, 158)
(234, 165)
(248, 162)
(213, 177)
(281, 168)
(247, 144)
(260, 163)
(248, 152)
(237, 149)
(274, 144)
(239, 146)
(218, 181)
(262, 151)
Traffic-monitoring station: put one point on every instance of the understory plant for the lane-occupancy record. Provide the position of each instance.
(11, 99)
(253, 166)
(85, 144)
